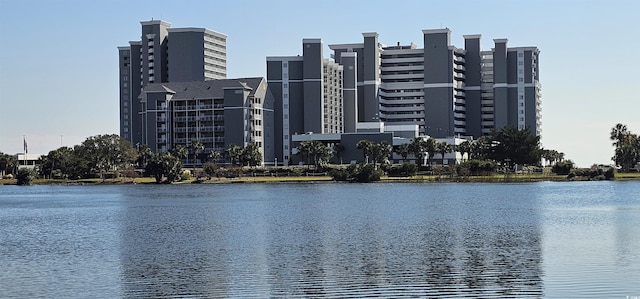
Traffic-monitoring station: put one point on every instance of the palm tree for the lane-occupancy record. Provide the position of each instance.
(251, 154)
(234, 152)
(338, 149)
(214, 156)
(180, 151)
(316, 150)
(304, 150)
(380, 152)
(417, 147)
(403, 150)
(430, 148)
(465, 148)
(619, 135)
(195, 147)
(443, 148)
(144, 154)
(365, 147)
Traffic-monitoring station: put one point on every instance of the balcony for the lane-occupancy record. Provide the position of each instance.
(486, 109)
(183, 107)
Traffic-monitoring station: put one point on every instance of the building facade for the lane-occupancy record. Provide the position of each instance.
(445, 90)
(308, 93)
(216, 113)
(165, 54)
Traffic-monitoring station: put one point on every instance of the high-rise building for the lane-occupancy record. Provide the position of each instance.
(445, 90)
(308, 93)
(165, 54)
(216, 113)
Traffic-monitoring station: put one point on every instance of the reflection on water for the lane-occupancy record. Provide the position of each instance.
(313, 241)
(321, 240)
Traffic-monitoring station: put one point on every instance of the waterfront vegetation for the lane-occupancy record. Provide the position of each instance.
(507, 155)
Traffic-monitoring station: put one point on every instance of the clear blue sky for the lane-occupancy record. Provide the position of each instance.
(58, 59)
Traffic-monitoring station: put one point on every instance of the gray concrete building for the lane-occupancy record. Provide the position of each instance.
(445, 90)
(165, 54)
(215, 112)
(308, 93)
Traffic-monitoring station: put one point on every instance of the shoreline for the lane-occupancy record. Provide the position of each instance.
(496, 178)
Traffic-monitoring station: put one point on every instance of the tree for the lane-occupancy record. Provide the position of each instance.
(316, 151)
(251, 155)
(480, 148)
(443, 148)
(338, 149)
(464, 148)
(162, 165)
(380, 152)
(417, 147)
(195, 147)
(144, 154)
(304, 150)
(105, 153)
(562, 168)
(620, 135)
(234, 152)
(430, 148)
(403, 150)
(214, 156)
(365, 147)
(8, 163)
(627, 147)
(180, 151)
(25, 176)
(56, 163)
(514, 146)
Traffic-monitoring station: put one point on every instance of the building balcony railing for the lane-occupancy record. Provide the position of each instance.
(185, 118)
(161, 141)
(184, 107)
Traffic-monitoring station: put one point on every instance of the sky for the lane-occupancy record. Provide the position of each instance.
(59, 59)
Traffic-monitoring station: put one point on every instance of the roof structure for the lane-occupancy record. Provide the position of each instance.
(210, 89)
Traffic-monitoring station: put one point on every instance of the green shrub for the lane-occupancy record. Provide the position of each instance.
(210, 169)
(339, 174)
(610, 174)
(25, 176)
(357, 172)
(562, 168)
(368, 173)
(477, 167)
(406, 169)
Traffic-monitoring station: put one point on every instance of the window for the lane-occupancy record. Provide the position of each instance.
(285, 85)
(520, 79)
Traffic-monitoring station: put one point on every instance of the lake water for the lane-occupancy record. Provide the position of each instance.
(556, 240)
